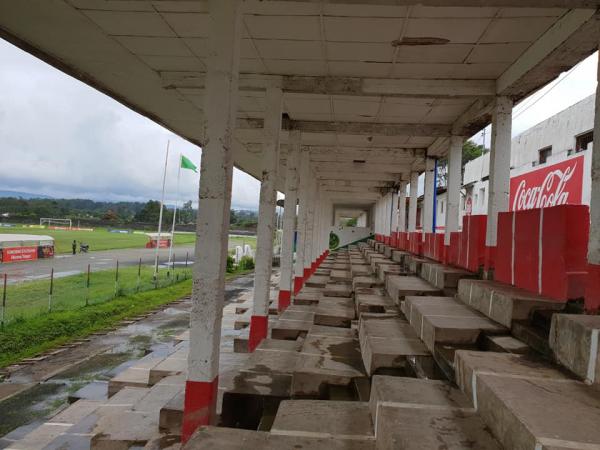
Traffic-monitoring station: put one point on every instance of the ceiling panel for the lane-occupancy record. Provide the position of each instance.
(362, 29)
(286, 49)
(188, 24)
(464, 30)
(518, 29)
(359, 51)
(123, 23)
(142, 45)
(284, 27)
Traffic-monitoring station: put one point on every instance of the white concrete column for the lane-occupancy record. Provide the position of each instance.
(395, 212)
(454, 186)
(412, 204)
(316, 231)
(592, 293)
(499, 182)
(289, 220)
(402, 207)
(428, 206)
(303, 192)
(214, 201)
(266, 212)
(310, 216)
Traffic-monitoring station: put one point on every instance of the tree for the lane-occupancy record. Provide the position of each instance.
(110, 215)
(186, 213)
(470, 152)
(151, 211)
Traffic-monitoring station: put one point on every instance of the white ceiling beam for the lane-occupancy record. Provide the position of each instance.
(361, 167)
(323, 153)
(350, 189)
(388, 87)
(446, 88)
(337, 175)
(589, 4)
(356, 183)
(370, 129)
(572, 38)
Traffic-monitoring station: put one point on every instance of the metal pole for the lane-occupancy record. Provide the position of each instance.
(3, 301)
(139, 275)
(175, 210)
(87, 287)
(51, 289)
(117, 279)
(160, 214)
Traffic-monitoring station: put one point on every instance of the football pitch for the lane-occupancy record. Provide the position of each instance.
(102, 239)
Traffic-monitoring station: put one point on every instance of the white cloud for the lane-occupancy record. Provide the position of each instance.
(60, 137)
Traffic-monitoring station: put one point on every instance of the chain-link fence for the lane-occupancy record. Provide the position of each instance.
(63, 291)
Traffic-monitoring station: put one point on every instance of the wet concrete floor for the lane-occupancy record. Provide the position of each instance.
(84, 371)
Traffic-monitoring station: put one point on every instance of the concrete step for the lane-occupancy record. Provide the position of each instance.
(413, 263)
(387, 342)
(338, 420)
(530, 404)
(507, 344)
(574, 344)
(399, 256)
(340, 275)
(445, 320)
(338, 290)
(501, 302)
(318, 281)
(383, 270)
(443, 276)
(335, 312)
(373, 303)
(210, 438)
(366, 282)
(399, 287)
(307, 298)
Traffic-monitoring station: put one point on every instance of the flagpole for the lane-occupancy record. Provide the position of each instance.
(175, 213)
(160, 214)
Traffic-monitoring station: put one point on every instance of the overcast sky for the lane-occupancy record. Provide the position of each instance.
(62, 138)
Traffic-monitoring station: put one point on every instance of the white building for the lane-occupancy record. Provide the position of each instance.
(563, 142)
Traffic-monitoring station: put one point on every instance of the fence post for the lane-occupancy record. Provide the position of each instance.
(117, 279)
(3, 302)
(87, 287)
(51, 289)
(139, 276)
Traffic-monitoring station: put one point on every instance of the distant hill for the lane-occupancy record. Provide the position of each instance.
(24, 195)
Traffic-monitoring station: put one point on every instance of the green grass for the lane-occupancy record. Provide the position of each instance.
(31, 298)
(102, 239)
(30, 335)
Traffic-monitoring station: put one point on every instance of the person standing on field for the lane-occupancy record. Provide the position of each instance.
(74, 246)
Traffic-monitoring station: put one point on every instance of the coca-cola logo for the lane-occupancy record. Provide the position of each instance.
(551, 192)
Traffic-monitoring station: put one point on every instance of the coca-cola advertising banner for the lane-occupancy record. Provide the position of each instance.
(558, 184)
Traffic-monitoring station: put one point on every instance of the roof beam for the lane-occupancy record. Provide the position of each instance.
(447, 88)
(571, 39)
(356, 183)
(322, 153)
(589, 4)
(339, 175)
(387, 87)
(362, 167)
(370, 128)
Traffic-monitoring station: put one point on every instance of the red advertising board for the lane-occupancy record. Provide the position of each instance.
(19, 254)
(554, 185)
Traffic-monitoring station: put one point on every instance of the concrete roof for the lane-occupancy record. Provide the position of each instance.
(374, 86)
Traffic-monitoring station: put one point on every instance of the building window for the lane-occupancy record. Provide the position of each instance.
(583, 140)
(544, 154)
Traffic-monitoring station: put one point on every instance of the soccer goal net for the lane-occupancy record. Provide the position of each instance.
(51, 222)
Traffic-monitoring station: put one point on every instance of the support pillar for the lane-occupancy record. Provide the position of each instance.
(394, 220)
(428, 206)
(412, 204)
(402, 210)
(454, 187)
(592, 293)
(259, 321)
(310, 224)
(499, 181)
(303, 191)
(212, 229)
(289, 221)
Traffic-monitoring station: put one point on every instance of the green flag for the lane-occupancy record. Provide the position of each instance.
(187, 164)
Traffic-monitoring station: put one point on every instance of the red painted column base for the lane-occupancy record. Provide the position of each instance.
(306, 273)
(592, 289)
(200, 406)
(298, 282)
(259, 326)
(283, 300)
(446, 256)
(489, 261)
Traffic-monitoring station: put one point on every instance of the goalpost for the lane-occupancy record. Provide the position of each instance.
(66, 223)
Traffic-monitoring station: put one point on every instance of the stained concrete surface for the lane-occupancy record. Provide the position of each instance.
(84, 371)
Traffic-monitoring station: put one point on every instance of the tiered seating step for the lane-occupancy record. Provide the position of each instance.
(442, 276)
(210, 438)
(335, 312)
(501, 302)
(399, 287)
(574, 342)
(339, 420)
(386, 342)
(447, 321)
